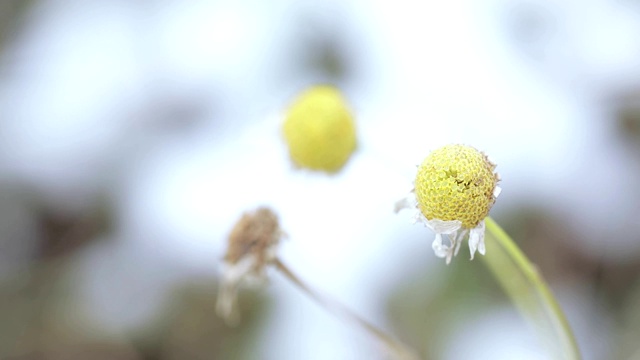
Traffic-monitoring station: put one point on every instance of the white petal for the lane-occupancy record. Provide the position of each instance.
(452, 239)
(497, 191)
(232, 276)
(408, 202)
(458, 241)
(476, 239)
(402, 204)
(439, 248)
(418, 217)
(444, 227)
(234, 273)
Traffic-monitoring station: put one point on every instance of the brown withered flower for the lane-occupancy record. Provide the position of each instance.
(251, 247)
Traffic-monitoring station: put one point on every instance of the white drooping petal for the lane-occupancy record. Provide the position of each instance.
(441, 227)
(449, 256)
(441, 250)
(444, 227)
(232, 276)
(476, 239)
(458, 240)
(497, 191)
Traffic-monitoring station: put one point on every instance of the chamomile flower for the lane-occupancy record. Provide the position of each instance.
(454, 189)
(252, 246)
(319, 130)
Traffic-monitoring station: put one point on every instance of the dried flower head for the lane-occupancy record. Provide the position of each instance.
(319, 130)
(454, 190)
(252, 245)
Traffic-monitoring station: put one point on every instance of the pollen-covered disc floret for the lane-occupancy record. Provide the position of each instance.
(456, 182)
(319, 130)
(453, 192)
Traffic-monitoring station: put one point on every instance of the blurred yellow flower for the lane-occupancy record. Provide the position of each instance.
(319, 130)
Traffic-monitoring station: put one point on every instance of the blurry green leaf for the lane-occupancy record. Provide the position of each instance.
(523, 283)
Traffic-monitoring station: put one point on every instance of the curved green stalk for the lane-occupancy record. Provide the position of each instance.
(523, 283)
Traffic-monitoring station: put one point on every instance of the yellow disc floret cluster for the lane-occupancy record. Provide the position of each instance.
(456, 182)
(320, 130)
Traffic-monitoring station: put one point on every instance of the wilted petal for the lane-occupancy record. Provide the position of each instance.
(441, 250)
(458, 240)
(232, 277)
(476, 240)
(449, 256)
(444, 227)
(408, 202)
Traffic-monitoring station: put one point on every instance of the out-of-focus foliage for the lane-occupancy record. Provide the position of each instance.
(39, 322)
(12, 13)
(427, 311)
(191, 330)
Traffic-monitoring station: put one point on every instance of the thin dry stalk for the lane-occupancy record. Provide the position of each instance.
(395, 349)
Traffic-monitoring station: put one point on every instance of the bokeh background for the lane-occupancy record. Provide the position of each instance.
(133, 134)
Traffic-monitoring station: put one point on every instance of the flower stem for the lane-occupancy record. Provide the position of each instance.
(522, 281)
(396, 349)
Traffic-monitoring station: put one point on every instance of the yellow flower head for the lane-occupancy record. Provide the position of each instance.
(454, 190)
(456, 182)
(320, 130)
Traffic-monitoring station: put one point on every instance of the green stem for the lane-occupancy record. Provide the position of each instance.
(522, 281)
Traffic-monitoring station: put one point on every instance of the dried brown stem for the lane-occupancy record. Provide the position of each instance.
(396, 349)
